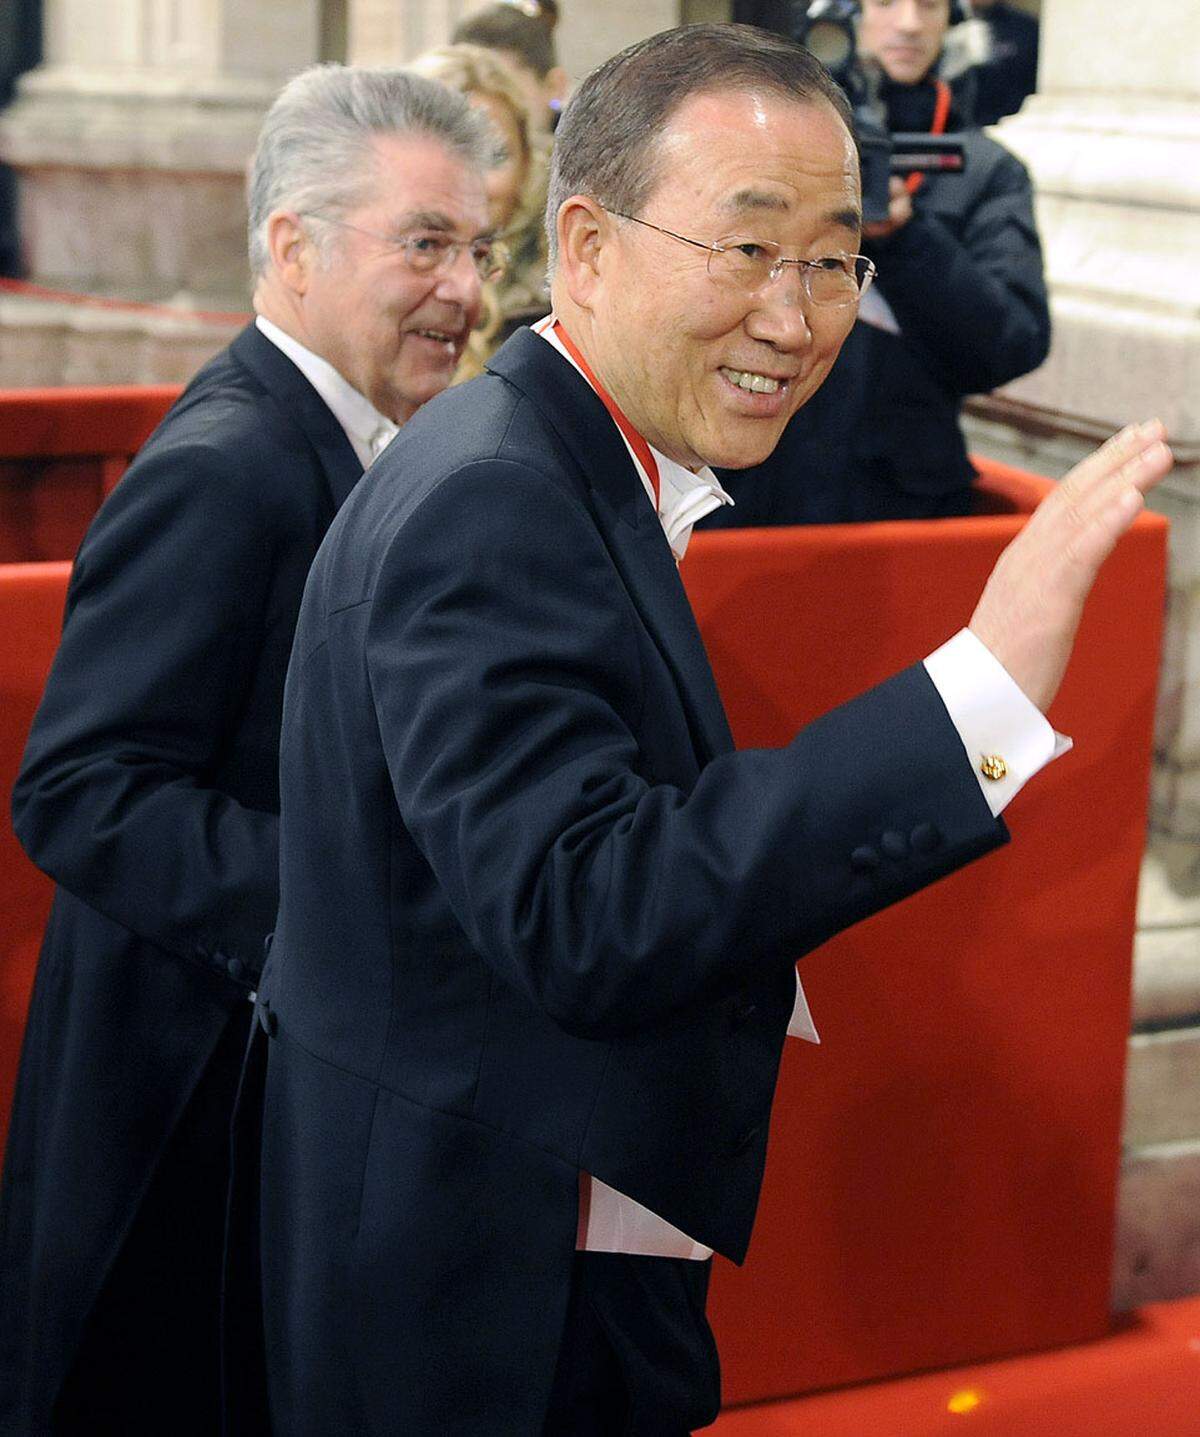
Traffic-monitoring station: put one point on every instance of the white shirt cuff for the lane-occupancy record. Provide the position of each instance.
(993, 717)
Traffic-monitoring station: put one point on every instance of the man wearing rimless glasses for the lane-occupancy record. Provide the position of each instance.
(534, 963)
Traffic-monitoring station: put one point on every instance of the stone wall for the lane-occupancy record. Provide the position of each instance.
(1113, 142)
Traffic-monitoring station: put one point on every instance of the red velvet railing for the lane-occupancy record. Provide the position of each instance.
(61, 451)
(941, 1176)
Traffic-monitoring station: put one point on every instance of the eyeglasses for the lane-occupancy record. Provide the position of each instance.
(834, 280)
(431, 252)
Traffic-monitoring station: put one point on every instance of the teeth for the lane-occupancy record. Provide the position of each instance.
(436, 334)
(755, 383)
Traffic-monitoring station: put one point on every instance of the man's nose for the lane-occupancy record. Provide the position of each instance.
(906, 15)
(781, 317)
(459, 282)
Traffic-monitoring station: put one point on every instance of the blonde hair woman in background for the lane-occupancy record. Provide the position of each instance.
(516, 190)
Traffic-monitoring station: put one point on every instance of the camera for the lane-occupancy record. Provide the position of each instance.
(828, 29)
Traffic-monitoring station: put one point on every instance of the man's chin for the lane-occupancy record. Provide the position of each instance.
(744, 452)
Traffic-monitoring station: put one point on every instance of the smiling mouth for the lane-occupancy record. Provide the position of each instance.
(441, 336)
(753, 383)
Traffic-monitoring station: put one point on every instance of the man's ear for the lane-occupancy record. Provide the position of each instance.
(584, 229)
(292, 252)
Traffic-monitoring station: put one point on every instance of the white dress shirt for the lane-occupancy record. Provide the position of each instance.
(368, 431)
(987, 708)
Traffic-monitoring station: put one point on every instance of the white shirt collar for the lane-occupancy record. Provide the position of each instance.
(368, 431)
(683, 497)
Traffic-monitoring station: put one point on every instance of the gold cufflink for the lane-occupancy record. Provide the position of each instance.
(992, 766)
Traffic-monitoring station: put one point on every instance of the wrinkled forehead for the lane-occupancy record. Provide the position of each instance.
(746, 154)
(420, 182)
(760, 120)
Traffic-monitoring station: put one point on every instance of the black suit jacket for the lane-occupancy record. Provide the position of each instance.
(536, 915)
(149, 792)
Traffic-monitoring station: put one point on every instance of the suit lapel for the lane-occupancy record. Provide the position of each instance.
(627, 521)
(304, 406)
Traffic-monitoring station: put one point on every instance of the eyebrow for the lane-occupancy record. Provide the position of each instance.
(426, 220)
(742, 200)
(753, 200)
(438, 222)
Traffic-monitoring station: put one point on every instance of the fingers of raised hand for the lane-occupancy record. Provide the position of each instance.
(1030, 606)
(1101, 496)
(1136, 455)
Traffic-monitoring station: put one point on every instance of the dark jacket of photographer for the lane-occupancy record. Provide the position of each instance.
(963, 278)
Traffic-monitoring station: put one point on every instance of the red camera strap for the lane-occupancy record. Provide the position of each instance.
(941, 113)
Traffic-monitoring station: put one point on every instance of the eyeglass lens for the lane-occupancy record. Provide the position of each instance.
(426, 253)
(837, 280)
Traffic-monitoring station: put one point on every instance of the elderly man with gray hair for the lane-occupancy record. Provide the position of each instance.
(149, 789)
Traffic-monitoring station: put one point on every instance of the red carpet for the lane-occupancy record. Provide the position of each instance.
(1143, 1381)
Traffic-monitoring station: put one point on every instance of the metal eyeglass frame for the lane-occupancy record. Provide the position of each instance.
(489, 265)
(805, 267)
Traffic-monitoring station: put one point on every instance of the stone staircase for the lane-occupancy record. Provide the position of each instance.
(1158, 1241)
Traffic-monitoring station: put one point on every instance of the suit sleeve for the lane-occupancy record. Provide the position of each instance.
(116, 798)
(505, 663)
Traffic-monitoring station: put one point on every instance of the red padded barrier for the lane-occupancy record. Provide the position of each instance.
(31, 607)
(61, 451)
(941, 1174)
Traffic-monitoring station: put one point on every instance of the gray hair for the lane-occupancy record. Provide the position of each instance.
(315, 151)
(606, 144)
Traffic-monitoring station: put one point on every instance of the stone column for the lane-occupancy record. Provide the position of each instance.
(132, 138)
(381, 32)
(1113, 142)
(588, 35)
(130, 144)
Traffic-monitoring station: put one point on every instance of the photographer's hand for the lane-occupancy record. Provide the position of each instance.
(1031, 605)
(900, 211)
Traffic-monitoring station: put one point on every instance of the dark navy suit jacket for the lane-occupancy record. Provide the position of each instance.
(536, 915)
(149, 792)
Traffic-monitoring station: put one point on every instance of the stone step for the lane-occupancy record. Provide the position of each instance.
(1158, 1224)
(1162, 1088)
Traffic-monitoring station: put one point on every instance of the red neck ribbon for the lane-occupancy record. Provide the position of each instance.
(635, 440)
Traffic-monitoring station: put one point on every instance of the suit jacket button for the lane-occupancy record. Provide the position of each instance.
(894, 844)
(236, 968)
(864, 859)
(926, 837)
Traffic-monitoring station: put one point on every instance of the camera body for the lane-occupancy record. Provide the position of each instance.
(828, 28)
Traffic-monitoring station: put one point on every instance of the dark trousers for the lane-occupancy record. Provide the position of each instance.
(149, 1359)
(638, 1357)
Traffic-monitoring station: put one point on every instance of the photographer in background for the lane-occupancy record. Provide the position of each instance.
(959, 307)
